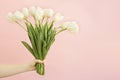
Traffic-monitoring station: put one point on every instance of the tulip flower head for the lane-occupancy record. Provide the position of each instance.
(48, 13)
(70, 26)
(18, 15)
(58, 17)
(39, 14)
(32, 10)
(25, 12)
(11, 16)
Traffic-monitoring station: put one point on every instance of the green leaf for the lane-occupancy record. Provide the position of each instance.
(28, 47)
(45, 31)
(33, 31)
(32, 38)
(51, 37)
(51, 25)
(44, 49)
(39, 46)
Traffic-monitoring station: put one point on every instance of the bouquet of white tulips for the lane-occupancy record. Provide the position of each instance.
(42, 32)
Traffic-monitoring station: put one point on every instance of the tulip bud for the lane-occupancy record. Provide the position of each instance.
(58, 17)
(71, 26)
(48, 13)
(39, 14)
(11, 16)
(18, 15)
(25, 12)
(32, 10)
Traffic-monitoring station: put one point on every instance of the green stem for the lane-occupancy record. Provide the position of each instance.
(40, 68)
(21, 26)
(35, 19)
(61, 30)
(42, 20)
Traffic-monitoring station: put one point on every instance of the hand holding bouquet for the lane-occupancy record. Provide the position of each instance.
(42, 32)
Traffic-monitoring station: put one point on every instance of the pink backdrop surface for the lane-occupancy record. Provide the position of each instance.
(91, 54)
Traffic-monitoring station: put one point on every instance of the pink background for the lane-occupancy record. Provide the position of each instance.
(91, 54)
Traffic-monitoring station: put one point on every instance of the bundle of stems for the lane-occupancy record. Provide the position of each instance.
(41, 38)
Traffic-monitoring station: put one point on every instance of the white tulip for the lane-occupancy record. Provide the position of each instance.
(58, 17)
(70, 26)
(32, 10)
(48, 13)
(11, 16)
(25, 12)
(18, 15)
(39, 14)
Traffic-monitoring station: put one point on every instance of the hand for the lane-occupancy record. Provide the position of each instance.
(9, 70)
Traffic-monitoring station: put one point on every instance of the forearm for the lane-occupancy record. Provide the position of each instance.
(9, 70)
